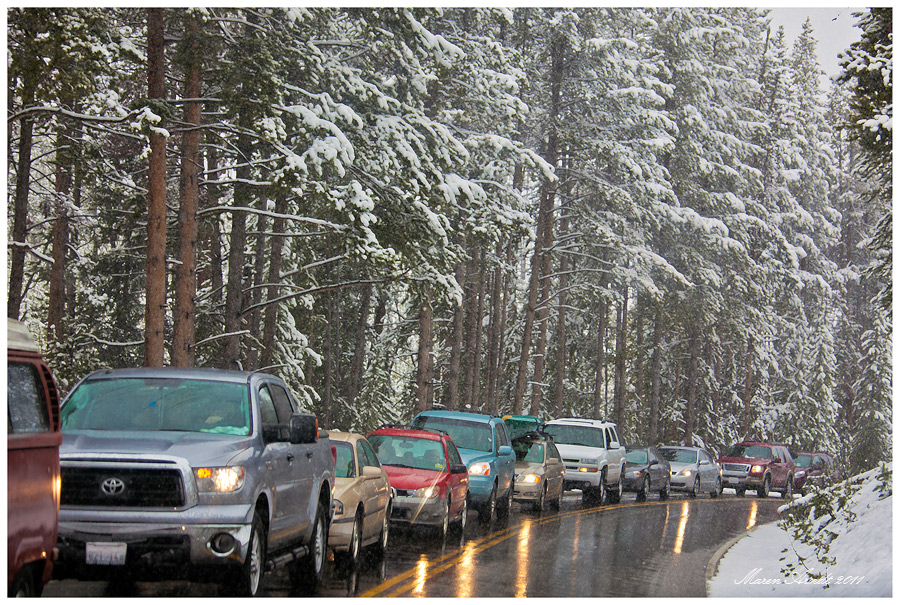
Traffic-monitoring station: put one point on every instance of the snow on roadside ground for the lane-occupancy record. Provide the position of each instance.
(862, 549)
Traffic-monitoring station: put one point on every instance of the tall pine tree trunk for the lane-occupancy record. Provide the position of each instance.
(56, 296)
(563, 300)
(183, 354)
(357, 364)
(270, 321)
(621, 335)
(655, 362)
(451, 394)
(154, 345)
(693, 386)
(425, 361)
(600, 363)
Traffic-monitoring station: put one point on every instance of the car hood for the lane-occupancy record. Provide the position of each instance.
(680, 466)
(402, 477)
(579, 451)
(530, 467)
(470, 457)
(742, 460)
(198, 449)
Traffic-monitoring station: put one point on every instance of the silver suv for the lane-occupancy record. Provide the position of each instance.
(594, 457)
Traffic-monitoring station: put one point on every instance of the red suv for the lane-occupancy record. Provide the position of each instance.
(32, 467)
(427, 473)
(814, 468)
(759, 466)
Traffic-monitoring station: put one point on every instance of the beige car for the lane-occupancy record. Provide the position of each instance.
(362, 499)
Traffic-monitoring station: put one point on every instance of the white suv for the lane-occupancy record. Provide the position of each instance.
(593, 454)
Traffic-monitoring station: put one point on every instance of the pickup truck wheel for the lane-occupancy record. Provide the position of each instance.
(739, 492)
(763, 491)
(616, 496)
(306, 572)
(247, 582)
(788, 492)
(486, 512)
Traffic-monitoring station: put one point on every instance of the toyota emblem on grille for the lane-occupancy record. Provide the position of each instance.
(112, 486)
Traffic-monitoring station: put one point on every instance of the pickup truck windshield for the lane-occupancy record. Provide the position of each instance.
(158, 404)
(751, 451)
(575, 435)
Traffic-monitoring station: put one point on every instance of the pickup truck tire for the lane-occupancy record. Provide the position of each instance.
(615, 497)
(306, 572)
(763, 491)
(24, 585)
(788, 492)
(247, 581)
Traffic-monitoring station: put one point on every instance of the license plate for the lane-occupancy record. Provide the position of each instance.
(733, 480)
(105, 553)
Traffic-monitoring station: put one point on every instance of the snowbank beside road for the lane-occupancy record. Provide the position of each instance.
(862, 552)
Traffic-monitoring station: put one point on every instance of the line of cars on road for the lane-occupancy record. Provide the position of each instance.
(176, 471)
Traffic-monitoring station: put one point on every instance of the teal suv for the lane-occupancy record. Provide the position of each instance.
(484, 445)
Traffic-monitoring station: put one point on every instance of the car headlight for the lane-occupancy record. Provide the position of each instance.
(530, 478)
(222, 479)
(801, 474)
(686, 472)
(431, 491)
(635, 473)
(480, 469)
(338, 507)
(756, 468)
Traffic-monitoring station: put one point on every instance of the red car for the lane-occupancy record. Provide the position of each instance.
(32, 468)
(427, 473)
(814, 468)
(759, 466)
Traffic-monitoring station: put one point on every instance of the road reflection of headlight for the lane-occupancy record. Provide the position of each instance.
(751, 520)
(523, 560)
(421, 574)
(682, 526)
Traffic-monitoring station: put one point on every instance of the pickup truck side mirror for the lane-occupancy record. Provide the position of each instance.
(304, 428)
(613, 445)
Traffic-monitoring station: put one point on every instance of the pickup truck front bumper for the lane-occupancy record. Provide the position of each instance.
(100, 544)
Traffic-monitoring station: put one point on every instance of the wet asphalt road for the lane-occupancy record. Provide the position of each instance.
(636, 549)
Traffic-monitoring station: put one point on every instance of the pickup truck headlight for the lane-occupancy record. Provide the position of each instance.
(431, 491)
(480, 469)
(756, 468)
(222, 479)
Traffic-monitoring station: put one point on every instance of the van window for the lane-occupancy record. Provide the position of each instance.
(27, 408)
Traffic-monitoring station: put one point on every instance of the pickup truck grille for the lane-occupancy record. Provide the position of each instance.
(118, 487)
(736, 468)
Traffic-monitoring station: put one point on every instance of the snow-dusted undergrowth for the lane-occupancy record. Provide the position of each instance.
(861, 551)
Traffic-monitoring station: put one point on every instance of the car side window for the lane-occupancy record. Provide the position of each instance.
(372, 459)
(609, 438)
(362, 459)
(502, 437)
(27, 409)
(552, 452)
(615, 435)
(267, 407)
(453, 453)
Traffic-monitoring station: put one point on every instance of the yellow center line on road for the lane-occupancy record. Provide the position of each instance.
(453, 558)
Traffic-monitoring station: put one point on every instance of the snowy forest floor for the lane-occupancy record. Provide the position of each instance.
(862, 552)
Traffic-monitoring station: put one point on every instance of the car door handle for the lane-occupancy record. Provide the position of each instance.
(309, 454)
(290, 457)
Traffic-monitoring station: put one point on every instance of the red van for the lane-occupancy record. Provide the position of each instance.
(33, 486)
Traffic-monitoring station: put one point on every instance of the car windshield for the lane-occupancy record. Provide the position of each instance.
(751, 451)
(158, 404)
(576, 435)
(802, 460)
(676, 455)
(520, 426)
(465, 433)
(344, 466)
(528, 451)
(636, 456)
(409, 452)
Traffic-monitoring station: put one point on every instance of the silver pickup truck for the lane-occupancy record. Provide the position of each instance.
(207, 475)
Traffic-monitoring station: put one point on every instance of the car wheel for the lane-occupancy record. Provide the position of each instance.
(539, 505)
(464, 515)
(380, 547)
(664, 492)
(24, 585)
(306, 572)
(696, 488)
(350, 558)
(486, 512)
(445, 526)
(556, 502)
(788, 492)
(717, 489)
(763, 491)
(645, 489)
(247, 582)
(505, 505)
